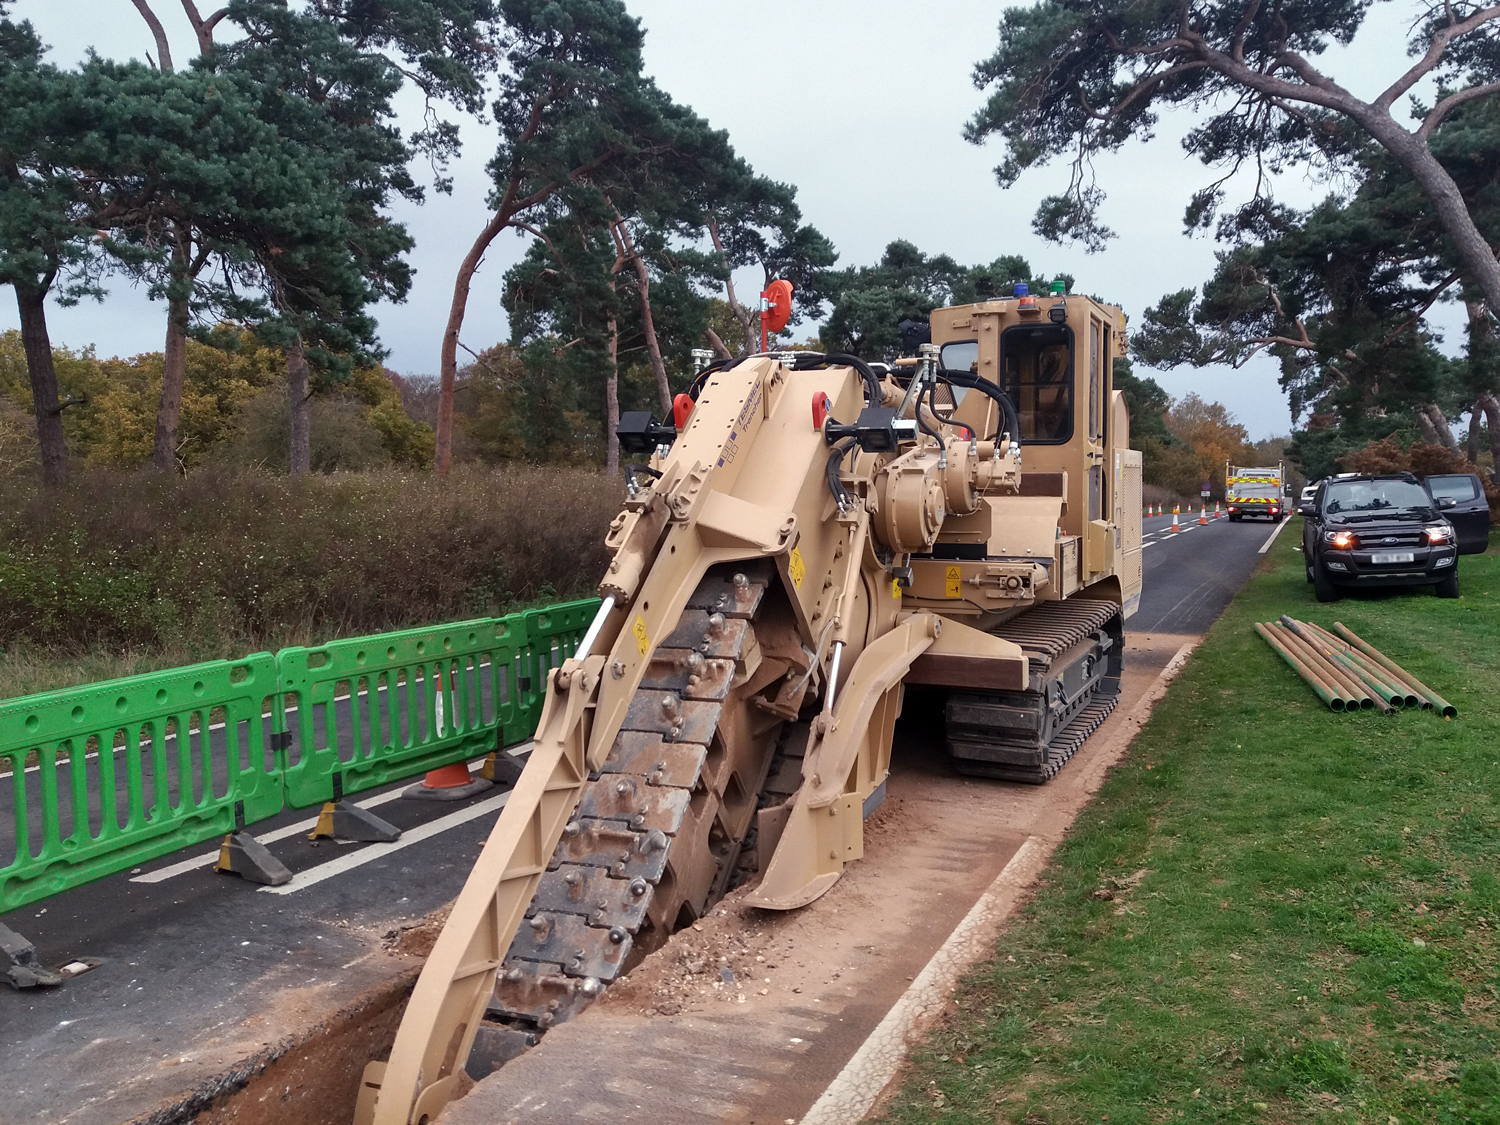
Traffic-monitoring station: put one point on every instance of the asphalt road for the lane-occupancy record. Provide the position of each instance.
(196, 969)
(1190, 575)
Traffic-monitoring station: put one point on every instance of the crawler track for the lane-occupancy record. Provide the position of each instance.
(1074, 650)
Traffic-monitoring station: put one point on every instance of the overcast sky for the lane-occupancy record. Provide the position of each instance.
(860, 104)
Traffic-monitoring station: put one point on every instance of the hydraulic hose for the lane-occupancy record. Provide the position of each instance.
(831, 472)
(805, 360)
(929, 393)
(974, 381)
(716, 366)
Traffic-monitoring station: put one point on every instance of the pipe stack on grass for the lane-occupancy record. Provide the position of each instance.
(1347, 673)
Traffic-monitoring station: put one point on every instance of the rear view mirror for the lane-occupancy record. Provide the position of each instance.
(1306, 509)
(1447, 502)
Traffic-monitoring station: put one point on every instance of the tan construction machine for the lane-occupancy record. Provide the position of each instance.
(805, 539)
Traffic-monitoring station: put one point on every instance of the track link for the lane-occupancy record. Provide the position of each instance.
(1074, 649)
(653, 842)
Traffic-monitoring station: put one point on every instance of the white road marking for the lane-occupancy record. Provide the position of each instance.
(1266, 546)
(368, 854)
(186, 865)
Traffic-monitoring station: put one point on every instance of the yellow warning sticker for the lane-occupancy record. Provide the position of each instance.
(895, 587)
(797, 567)
(642, 641)
(954, 576)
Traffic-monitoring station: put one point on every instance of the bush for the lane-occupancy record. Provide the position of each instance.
(1420, 458)
(229, 557)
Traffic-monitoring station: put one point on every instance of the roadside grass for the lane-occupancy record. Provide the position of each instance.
(1271, 912)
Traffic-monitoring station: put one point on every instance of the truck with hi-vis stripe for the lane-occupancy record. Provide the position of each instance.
(1255, 491)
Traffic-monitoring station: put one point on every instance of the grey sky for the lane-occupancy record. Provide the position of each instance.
(860, 104)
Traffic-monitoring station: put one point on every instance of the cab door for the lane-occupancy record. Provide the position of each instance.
(1470, 513)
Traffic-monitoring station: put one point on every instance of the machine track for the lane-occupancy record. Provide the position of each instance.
(658, 832)
(1074, 648)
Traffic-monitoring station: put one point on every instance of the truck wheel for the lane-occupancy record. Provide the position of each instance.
(1309, 572)
(1448, 587)
(1323, 589)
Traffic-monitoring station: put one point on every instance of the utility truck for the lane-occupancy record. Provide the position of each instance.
(1255, 491)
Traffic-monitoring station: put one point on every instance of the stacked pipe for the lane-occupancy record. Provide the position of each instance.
(1347, 673)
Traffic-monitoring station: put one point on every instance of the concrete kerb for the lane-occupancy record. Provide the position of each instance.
(866, 1076)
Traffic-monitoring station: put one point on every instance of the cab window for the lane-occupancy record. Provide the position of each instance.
(961, 355)
(1036, 371)
(1458, 488)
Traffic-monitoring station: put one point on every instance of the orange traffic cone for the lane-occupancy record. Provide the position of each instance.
(1218, 515)
(450, 782)
(1203, 513)
(1175, 526)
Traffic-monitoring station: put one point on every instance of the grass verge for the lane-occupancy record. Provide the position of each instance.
(1271, 912)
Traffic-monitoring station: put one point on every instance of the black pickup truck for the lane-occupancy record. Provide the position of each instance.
(1369, 529)
(1469, 512)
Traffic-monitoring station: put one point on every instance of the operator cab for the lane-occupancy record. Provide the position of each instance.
(1036, 365)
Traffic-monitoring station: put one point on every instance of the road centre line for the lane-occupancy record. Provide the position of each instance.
(368, 854)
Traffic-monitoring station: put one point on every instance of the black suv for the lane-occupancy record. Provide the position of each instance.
(1377, 530)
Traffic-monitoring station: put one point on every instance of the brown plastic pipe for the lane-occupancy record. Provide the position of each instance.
(1354, 691)
(1447, 709)
(1415, 692)
(1406, 695)
(1338, 652)
(1325, 653)
(1327, 694)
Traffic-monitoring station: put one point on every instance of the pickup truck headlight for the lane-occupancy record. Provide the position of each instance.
(1442, 533)
(1341, 540)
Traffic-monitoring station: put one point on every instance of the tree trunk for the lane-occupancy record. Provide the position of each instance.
(1412, 153)
(648, 322)
(299, 409)
(173, 376)
(612, 403)
(163, 48)
(448, 366)
(717, 344)
(1491, 407)
(747, 321)
(1472, 437)
(31, 304)
(1441, 428)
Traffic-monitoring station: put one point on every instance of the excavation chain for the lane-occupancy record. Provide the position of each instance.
(647, 849)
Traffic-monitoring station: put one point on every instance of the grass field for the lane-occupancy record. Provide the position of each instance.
(1272, 912)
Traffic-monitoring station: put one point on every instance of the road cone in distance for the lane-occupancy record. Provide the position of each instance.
(1175, 526)
(1203, 513)
(1218, 513)
(451, 782)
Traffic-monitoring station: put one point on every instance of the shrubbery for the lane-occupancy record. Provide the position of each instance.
(225, 558)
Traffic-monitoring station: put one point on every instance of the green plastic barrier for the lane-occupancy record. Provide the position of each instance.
(368, 708)
(105, 777)
(170, 759)
(553, 633)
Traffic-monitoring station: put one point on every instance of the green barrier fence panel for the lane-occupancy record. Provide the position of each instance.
(369, 709)
(553, 634)
(98, 779)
